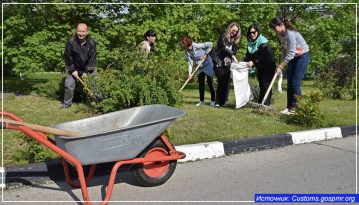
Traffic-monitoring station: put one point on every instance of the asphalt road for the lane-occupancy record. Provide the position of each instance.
(322, 167)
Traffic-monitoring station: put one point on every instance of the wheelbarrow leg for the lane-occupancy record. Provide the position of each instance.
(85, 195)
(112, 182)
(68, 178)
(168, 144)
(83, 183)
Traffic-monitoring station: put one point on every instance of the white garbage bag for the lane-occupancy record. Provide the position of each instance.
(242, 90)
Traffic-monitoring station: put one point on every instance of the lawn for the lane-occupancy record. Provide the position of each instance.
(200, 124)
(203, 124)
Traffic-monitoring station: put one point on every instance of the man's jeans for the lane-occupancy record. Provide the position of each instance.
(295, 75)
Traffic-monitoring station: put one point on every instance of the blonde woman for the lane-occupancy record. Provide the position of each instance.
(225, 55)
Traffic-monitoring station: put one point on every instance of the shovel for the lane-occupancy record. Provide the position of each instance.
(40, 128)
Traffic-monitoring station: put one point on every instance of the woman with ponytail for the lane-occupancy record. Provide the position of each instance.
(296, 56)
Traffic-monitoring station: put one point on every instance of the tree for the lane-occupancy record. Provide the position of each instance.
(35, 35)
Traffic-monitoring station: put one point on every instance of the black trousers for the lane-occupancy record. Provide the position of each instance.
(265, 77)
(223, 74)
(201, 83)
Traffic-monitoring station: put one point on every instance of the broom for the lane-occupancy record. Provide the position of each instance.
(262, 105)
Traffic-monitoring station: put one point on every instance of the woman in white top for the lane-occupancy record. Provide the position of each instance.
(297, 58)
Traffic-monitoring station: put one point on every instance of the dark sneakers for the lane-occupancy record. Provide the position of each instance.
(65, 106)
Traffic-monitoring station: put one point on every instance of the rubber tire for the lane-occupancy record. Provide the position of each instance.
(139, 173)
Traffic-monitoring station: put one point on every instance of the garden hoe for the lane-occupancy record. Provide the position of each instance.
(195, 70)
(262, 106)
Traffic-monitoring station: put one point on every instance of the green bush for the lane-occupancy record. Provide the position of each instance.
(337, 81)
(307, 112)
(34, 151)
(137, 80)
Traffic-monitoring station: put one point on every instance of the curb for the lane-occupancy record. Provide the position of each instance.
(38, 173)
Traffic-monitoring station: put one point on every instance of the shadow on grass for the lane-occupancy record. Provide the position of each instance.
(21, 86)
(49, 86)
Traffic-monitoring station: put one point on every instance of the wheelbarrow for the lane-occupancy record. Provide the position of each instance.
(131, 136)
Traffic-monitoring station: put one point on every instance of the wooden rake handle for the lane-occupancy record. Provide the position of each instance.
(195, 70)
(269, 88)
(85, 86)
(40, 128)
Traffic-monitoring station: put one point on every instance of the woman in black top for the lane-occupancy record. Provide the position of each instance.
(225, 54)
(259, 54)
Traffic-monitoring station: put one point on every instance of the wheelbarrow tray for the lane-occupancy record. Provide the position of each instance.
(118, 135)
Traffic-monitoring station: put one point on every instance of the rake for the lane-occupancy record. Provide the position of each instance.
(262, 105)
(96, 97)
(195, 70)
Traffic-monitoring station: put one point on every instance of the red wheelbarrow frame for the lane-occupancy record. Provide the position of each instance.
(66, 158)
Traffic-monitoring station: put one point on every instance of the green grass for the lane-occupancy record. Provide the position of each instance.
(27, 85)
(200, 124)
(203, 124)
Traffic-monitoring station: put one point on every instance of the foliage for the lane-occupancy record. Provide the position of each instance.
(338, 79)
(138, 81)
(329, 30)
(35, 34)
(34, 151)
(307, 111)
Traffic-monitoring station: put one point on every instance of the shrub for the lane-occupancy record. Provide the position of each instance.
(338, 79)
(137, 80)
(34, 151)
(307, 112)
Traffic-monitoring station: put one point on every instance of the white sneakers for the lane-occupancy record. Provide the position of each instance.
(201, 103)
(287, 112)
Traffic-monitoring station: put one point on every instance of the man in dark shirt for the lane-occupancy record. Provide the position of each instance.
(80, 59)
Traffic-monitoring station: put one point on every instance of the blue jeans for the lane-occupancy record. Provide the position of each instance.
(295, 75)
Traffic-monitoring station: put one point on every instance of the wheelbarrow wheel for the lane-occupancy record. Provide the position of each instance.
(154, 173)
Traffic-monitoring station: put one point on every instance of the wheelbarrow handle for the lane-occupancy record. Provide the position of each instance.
(40, 128)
